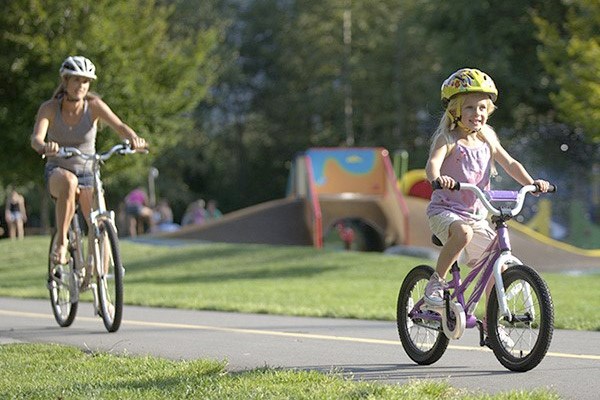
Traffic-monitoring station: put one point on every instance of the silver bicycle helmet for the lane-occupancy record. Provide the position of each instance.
(79, 66)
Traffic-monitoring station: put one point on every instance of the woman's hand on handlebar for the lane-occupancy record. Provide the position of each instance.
(138, 143)
(50, 149)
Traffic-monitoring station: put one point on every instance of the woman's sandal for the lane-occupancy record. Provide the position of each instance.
(59, 254)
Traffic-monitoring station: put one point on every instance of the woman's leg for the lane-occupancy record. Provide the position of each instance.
(63, 187)
(86, 199)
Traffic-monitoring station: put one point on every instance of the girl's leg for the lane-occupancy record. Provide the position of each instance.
(63, 187)
(459, 235)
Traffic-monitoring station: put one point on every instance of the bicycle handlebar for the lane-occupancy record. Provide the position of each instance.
(488, 197)
(121, 148)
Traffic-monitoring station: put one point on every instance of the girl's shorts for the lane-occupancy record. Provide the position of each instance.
(482, 234)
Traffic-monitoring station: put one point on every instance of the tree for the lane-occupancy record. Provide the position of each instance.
(152, 78)
(571, 55)
(284, 89)
(499, 38)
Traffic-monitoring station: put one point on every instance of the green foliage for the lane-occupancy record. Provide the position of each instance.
(571, 54)
(497, 37)
(151, 78)
(228, 91)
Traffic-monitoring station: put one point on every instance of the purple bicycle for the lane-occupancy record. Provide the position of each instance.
(519, 320)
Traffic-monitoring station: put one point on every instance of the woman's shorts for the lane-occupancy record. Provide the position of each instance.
(482, 233)
(85, 179)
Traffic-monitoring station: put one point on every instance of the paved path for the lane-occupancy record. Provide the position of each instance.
(366, 350)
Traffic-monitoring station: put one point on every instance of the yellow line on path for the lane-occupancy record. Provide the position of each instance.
(279, 333)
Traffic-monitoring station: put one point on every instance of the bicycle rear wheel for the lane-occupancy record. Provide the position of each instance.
(423, 340)
(63, 287)
(521, 343)
(110, 275)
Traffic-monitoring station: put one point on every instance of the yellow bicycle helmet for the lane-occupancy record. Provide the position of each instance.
(468, 80)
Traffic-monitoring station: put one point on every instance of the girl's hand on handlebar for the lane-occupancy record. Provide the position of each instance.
(446, 182)
(542, 185)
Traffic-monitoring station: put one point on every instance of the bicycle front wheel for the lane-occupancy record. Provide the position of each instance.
(422, 339)
(109, 276)
(63, 287)
(521, 341)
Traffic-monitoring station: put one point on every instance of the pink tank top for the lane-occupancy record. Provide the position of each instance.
(464, 164)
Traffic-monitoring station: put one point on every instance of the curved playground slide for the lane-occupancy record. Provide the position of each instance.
(273, 222)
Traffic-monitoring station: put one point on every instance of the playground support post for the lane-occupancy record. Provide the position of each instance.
(152, 175)
(400, 164)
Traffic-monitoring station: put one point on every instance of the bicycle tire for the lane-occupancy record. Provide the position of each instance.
(424, 345)
(63, 288)
(109, 284)
(532, 311)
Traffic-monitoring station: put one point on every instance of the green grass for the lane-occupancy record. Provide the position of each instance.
(37, 371)
(246, 278)
(271, 279)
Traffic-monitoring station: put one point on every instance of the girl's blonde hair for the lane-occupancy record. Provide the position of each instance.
(447, 128)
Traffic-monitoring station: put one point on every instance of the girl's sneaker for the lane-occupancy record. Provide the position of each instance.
(434, 291)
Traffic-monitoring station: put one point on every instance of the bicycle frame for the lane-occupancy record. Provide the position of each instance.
(491, 264)
(496, 256)
(519, 320)
(98, 211)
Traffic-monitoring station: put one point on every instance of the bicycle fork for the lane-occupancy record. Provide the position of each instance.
(505, 258)
(96, 260)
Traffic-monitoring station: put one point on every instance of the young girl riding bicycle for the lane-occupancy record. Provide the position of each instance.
(465, 149)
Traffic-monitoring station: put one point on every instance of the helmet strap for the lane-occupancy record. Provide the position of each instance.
(457, 119)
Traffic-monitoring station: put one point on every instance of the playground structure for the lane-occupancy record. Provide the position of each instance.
(351, 188)
(330, 192)
(349, 198)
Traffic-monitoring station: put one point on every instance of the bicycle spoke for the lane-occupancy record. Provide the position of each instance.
(520, 342)
(421, 337)
(110, 283)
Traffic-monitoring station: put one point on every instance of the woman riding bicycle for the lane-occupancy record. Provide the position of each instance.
(70, 118)
(464, 149)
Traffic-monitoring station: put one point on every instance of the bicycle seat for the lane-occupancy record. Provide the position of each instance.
(435, 240)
